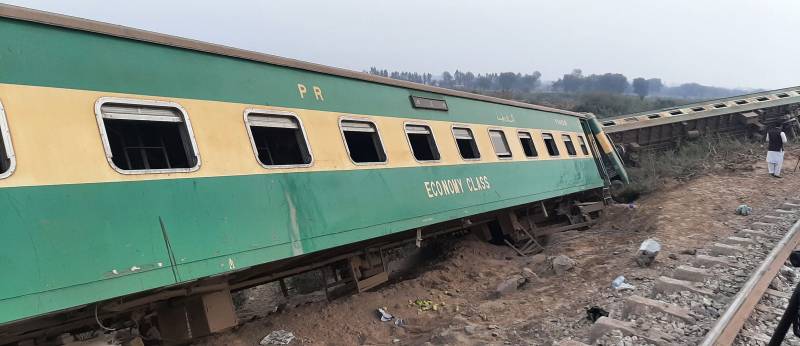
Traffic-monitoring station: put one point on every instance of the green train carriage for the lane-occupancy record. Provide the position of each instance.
(137, 167)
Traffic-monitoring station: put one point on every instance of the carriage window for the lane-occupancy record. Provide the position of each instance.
(527, 144)
(584, 149)
(423, 145)
(278, 139)
(466, 143)
(148, 137)
(363, 141)
(568, 143)
(6, 151)
(550, 144)
(500, 144)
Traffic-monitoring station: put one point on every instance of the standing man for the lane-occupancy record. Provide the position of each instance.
(775, 140)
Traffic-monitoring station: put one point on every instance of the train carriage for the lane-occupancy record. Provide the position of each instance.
(138, 168)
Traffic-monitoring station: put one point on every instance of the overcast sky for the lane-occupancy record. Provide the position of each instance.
(731, 43)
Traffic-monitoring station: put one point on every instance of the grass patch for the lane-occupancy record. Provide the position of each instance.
(651, 170)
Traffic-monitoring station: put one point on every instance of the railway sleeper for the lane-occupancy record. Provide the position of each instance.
(605, 325)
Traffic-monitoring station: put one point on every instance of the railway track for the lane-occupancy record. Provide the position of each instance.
(732, 292)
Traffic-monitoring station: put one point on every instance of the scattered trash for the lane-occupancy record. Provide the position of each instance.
(562, 264)
(425, 305)
(384, 316)
(619, 284)
(470, 329)
(278, 337)
(594, 313)
(399, 322)
(691, 252)
(743, 210)
(631, 206)
(788, 273)
(648, 252)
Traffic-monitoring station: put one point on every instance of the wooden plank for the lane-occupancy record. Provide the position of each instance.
(372, 281)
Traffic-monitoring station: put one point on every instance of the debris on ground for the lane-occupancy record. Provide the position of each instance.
(619, 284)
(744, 210)
(510, 285)
(425, 305)
(384, 316)
(595, 312)
(562, 264)
(529, 274)
(278, 337)
(648, 252)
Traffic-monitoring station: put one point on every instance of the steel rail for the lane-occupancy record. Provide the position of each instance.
(731, 322)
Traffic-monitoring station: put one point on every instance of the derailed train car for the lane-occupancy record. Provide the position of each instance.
(144, 176)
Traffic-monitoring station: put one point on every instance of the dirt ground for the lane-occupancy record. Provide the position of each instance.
(682, 216)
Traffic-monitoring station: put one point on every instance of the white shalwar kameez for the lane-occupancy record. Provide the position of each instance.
(775, 158)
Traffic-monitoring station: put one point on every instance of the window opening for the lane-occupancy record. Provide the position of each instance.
(500, 144)
(363, 142)
(762, 99)
(741, 102)
(698, 109)
(677, 112)
(654, 116)
(550, 144)
(144, 137)
(466, 143)
(527, 144)
(568, 143)
(584, 148)
(423, 145)
(720, 105)
(609, 123)
(278, 140)
(782, 95)
(7, 162)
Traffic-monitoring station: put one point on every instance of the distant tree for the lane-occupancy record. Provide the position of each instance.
(530, 82)
(483, 82)
(571, 83)
(641, 87)
(469, 79)
(654, 85)
(507, 80)
(447, 80)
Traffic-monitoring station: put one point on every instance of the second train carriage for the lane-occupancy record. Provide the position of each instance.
(135, 167)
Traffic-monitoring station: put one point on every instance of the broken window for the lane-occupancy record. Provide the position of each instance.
(550, 144)
(148, 137)
(500, 144)
(423, 145)
(584, 149)
(568, 143)
(6, 151)
(363, 141)
(278, 139)
(527, 144)
(466, 143)
(741, 102)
